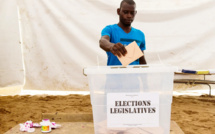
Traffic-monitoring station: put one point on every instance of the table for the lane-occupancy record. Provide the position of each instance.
(66, 128)
(195, 81)
(81, 128)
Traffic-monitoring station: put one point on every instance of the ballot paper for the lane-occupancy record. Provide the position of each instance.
(133, 53)
(212, 71)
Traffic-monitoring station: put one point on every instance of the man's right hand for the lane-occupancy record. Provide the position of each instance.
(118, 50)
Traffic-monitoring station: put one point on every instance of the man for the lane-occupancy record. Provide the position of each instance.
(114, 37)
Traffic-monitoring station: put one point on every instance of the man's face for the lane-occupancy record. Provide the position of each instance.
(126, 14)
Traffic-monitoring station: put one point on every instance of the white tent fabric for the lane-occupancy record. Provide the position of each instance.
(60, 38)
(11, 67)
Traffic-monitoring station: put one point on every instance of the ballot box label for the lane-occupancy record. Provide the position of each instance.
(132, 110)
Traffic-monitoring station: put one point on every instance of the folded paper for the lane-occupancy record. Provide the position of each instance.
(212, 71)
(133, 53)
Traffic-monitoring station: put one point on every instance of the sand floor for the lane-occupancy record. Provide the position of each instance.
(194, 114)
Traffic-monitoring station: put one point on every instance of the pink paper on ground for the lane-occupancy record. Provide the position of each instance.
(133, 53)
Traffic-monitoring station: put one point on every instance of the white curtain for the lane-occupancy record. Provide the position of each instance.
(11, 64)
(60, 37)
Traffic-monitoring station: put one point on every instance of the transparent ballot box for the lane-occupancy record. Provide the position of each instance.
(132, 99)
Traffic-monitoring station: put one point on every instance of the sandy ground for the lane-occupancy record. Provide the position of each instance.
(194, 114)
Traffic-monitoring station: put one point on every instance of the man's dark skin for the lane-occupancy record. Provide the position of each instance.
(126, 14)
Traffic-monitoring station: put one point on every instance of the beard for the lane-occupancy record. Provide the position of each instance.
(125, 23)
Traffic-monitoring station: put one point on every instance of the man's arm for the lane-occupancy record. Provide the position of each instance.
(117, 49)
(142, 59)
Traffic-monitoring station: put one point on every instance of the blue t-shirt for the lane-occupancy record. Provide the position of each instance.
(117, 34)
